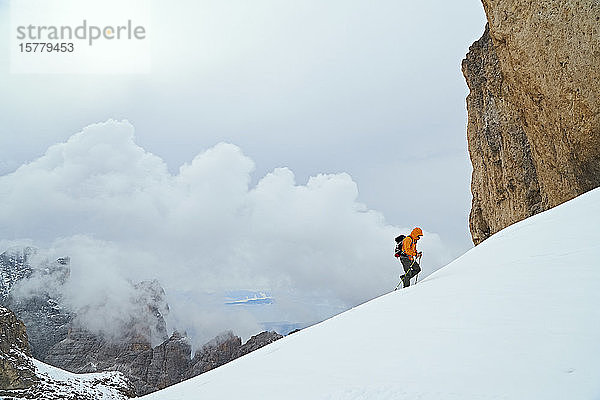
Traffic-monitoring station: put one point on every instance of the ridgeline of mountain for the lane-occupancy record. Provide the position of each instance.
(225, 348)
(59, 338)
(534, 109)
(150, 368)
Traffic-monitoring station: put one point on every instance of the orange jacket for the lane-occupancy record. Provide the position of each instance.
(409, 244)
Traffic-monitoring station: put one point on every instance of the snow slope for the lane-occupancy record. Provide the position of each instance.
(57, 384)
(517, 317)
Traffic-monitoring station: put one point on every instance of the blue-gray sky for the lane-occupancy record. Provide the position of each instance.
(371, 89)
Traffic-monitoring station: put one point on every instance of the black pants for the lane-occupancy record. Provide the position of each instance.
(411, 269)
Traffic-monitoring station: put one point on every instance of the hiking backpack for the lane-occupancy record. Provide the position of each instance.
(398, 249)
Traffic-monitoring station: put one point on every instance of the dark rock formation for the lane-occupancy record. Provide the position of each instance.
(131, 351)
(169, 363)
(225, 348)
(20, 378)
(148, 368)
(258, 341)
(16, 369)
(534, 109)
(85, 352)
(38, 300)
(59, 338)
(217, 352)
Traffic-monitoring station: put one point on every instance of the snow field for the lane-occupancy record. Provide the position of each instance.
(517, 317)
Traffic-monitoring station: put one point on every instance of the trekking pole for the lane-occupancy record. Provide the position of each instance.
(405, 273)
(417, 277)
(409, 268)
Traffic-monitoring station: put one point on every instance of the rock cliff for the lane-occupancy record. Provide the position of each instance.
(57, 337)
(534, 109)
(22, 377)
(150, 368)
(258, 341)
(225, 348)
(16, 368)
(38, 304)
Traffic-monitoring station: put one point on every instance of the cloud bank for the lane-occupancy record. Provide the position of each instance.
(121, 216)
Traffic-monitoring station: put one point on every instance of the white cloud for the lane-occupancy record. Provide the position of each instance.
(121, 216)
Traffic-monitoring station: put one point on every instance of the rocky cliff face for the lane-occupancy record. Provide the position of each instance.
(150, 368)
(217, 352)
(169, 363)
(16, 368)
(258, 341)
(225, 348)
(534, 109)
(38, 302)
(85, 352)
(22, 377)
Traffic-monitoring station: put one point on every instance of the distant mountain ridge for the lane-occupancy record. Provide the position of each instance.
(58, 338)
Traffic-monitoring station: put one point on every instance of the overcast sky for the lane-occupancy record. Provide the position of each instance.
(368, 93)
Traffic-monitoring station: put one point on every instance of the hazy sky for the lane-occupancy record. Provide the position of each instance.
(368, 93)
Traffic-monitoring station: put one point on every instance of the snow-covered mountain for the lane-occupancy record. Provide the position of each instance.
(517, 317)
(248, 297)
(32, 289)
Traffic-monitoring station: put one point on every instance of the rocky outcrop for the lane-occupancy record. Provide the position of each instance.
(39, 302)
(258, 341)
(61, 339)
(86, 352)
(131, 351)
(148, 368)
(169, 363)
(33, 290)
(22, 377)
(534, 109)
(151, 368)
(16, 368)
(225, 348)
(219, 351)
